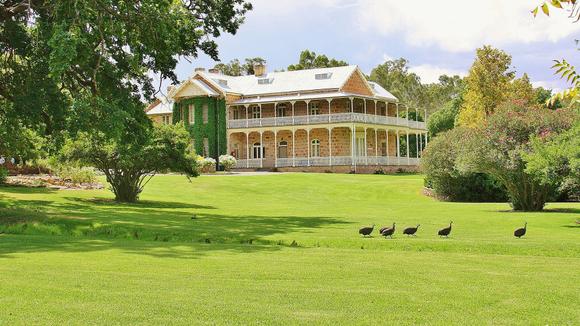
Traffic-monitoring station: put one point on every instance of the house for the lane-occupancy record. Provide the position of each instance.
(325, 119)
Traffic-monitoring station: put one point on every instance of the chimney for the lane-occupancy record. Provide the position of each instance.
(214, 71)
(259, 69)
(170, 88)
(199, 69)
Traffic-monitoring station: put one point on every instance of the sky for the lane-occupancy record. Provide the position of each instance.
(437, 37)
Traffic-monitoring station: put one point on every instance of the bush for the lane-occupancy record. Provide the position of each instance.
(448, 183)
(227, 161)
(3, 175)
(76, 174)
(444, 119)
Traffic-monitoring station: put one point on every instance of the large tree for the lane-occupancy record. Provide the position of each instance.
(486, 85)
(86, 64)
(235, 68)
(309, 60)
(395, 77)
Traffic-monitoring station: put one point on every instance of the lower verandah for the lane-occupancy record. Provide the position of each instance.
(326, 146)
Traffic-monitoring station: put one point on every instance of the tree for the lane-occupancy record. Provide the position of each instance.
(309, 60)
(486, 85)
(394, 76)
(444, 119)
(495, 148)
(554, 160)
(251, 62)
(439, 94)
(129, 164)
(85, 65)
(235, 68)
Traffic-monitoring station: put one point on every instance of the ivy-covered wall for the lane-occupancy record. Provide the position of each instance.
(215, 128)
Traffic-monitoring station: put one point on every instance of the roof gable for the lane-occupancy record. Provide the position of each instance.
(192, 88)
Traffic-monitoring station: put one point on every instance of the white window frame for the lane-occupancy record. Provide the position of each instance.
(258, 149)
(281, 108)
(314, 108)
(315, 148)
(236, 113)
(205, 112)
(256, 114)
(191, 111)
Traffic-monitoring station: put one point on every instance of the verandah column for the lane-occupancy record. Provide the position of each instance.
(366, 146)
(307, 111)
(246, 106)
(247, 149)
(376, 141)
(330, 146)
(417, 143)
(308, 146)
(352, 140)
(407, 133)
(275, 147)
(262, 147)
(387, 142)
(398, 149)
(293, 146)
(329, 109)
(292, 104)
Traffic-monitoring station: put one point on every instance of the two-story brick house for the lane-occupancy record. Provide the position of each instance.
(316, 120)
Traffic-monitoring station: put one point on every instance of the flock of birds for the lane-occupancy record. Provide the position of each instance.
(388, 231)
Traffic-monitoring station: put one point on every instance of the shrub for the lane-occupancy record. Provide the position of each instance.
(76, 174)
(447, 182)
(3, 175)
(227, 161)
(496, 148)
(205, 164)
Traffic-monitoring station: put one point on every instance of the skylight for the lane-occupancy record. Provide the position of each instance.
(325, 75)
(265, 81)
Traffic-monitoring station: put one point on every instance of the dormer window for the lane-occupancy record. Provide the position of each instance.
(265, 81)
(222, 82)
(321, 76)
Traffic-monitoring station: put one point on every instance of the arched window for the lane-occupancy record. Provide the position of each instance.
(315, 148)
(258, 150)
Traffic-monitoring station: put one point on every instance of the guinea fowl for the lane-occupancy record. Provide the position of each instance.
(411, 230)
(388, 232)
(445, 232)
(521, 231)
(367, 230)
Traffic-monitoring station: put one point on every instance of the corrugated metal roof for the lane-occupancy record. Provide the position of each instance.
(282, 82)
(381, 92)
(163, 107)
(297, 97)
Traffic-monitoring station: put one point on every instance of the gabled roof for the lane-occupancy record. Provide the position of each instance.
(379, 91)
(283, 82)
(192, 87)
(161, 106)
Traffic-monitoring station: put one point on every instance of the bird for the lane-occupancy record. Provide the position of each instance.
(518, 233)
(411, 230)
(366, 230)
(445, 232)
(388, 232)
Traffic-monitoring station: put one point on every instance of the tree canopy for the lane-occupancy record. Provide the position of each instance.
(309, 60)
(235, 68)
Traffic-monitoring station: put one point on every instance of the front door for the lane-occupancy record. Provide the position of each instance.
(360, 146)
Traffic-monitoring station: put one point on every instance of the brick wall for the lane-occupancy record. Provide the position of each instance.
(357, 85)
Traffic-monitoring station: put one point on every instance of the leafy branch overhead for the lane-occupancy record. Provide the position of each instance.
(568, 5)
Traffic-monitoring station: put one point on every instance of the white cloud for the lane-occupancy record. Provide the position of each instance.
(430, 74)
(555, 86)
(460, 25)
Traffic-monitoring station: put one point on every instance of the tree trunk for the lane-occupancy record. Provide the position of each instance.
(125, 185)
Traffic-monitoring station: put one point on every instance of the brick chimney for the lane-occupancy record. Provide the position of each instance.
(259, 69)
(199, 69)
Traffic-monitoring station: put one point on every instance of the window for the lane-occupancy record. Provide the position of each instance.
(314, 108)
(325, 75)
(205, 147)
(236, 152)
(348, 107)
(191, 109)
(384, 148)
(258, 151)
(236, 113)
(283, 149)
(315, 148)
(360, 146)
(166, 119)
(281, 110)
(255, 112)
(205, 113)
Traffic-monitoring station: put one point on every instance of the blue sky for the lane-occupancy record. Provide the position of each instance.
(435, 36)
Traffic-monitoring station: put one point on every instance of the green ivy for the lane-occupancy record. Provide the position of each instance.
(215, 128)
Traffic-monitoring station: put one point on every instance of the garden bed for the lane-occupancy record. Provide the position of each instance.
(49, 181)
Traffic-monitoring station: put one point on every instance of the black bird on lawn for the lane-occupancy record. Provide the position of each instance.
(445, 232)
(518, 233)
(366, 230)
(388, 232)
(411, 230)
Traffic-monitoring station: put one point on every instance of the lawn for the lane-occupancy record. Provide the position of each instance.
(282, 249)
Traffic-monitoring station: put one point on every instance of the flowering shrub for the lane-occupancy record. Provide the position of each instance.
(227, 161)
(205, 164)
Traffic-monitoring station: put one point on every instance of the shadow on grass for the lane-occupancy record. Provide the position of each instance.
(151, 227)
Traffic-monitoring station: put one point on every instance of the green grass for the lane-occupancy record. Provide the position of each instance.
(76, 257)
